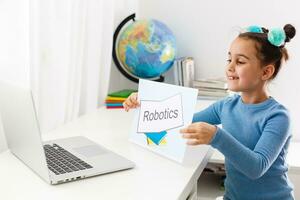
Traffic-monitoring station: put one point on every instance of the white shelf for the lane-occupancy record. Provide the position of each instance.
(217, 157)
(293, 158)
(209, 187)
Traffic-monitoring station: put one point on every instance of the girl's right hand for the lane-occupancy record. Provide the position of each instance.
(131, 102)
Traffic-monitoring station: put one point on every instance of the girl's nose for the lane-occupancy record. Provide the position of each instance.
(230, 67)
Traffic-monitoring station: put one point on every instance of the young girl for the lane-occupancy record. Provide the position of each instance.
(255, 136)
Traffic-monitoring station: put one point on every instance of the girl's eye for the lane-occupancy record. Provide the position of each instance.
(240, 62)
(229, 61)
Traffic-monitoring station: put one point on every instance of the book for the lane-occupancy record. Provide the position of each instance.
(209, 97)
(211, 89)
(187, 66)
(114, 107)
(212, 93)
(116, 98)
(114, 104)
(114, 101)
(210, 83)
(184, 71)
(177, 72)
(122, 93)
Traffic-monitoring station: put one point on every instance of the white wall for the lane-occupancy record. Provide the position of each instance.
(14, 44)
(204, 30)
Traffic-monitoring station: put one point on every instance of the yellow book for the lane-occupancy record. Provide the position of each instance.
(116, 98)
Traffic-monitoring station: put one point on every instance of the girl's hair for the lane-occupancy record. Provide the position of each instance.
(268, 53)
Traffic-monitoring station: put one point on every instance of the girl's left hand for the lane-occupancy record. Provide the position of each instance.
(199, 133)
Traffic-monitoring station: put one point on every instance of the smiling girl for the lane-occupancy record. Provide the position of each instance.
(255, 136)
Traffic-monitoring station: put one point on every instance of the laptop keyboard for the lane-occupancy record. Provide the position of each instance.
(60, 161)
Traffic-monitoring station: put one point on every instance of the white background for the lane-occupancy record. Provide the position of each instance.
(204, 30)
(14, 45)
(15, 58)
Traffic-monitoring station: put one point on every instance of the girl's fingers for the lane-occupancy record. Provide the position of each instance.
(131, 100)
(126, 106)
(190, 136)
(137, 103)
(193, 142)
(188, 130)
(135, 98)
(129, 103)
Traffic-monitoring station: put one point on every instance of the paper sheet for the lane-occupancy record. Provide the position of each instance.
(164, 110)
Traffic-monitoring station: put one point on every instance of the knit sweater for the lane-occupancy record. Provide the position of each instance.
(254, 139)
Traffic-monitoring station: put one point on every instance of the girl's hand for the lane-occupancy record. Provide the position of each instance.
(131, 102)
(199, 133)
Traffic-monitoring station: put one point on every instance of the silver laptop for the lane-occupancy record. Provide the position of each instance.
(56, 161)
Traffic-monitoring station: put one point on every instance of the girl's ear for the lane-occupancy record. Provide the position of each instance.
(268, 72)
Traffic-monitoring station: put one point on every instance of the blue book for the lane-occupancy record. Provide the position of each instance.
(114, 104)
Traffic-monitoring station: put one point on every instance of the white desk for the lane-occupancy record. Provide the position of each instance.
(154, 177)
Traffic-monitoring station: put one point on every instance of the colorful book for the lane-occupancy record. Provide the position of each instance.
(114, 101)
(114, 107)
(122, 93)
(114, 104)
(115, 98)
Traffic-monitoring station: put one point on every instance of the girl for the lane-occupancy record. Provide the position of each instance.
(255, 136)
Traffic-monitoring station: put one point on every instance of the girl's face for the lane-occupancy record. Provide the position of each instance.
(244, 70)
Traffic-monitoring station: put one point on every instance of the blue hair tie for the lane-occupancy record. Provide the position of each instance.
(276, 36)
(254, 29)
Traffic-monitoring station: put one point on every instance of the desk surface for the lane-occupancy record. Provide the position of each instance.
(154, 177)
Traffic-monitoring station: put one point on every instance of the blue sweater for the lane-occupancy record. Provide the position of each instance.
(254, 139)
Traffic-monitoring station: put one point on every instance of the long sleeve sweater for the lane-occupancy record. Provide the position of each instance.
(254, 139)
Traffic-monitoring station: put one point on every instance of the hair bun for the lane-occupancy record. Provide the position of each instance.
(290, 32)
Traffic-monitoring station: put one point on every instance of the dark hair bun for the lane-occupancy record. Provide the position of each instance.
(290, 32)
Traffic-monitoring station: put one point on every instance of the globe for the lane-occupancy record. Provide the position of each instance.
(146, 48)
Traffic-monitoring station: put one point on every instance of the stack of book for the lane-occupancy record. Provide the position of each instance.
(211, 88)
(184, 71)
(115, 100)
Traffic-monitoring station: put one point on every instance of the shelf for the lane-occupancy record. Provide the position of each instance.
(209, 187)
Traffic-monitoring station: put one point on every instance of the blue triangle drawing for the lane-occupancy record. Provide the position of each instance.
(156, 137)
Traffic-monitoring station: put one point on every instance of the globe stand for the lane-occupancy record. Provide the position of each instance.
(114, 53)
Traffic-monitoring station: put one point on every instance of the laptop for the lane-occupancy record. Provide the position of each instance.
(56, 161)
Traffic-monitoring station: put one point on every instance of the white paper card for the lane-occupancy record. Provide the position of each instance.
(174, 107)
(157, 116)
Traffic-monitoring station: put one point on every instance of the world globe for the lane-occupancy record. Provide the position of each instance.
(145, 49)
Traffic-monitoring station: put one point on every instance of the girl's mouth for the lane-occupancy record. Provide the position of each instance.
(233, 77)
